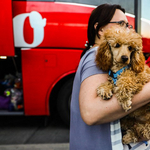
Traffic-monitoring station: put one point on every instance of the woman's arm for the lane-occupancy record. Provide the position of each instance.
(95, 110)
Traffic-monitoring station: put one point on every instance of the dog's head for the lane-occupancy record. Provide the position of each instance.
(118, 48)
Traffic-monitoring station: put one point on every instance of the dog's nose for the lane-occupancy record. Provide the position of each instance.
(124, 58)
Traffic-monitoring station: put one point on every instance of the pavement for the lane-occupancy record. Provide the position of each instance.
(30, 133)
(58, 146)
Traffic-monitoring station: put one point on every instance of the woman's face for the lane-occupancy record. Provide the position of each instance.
(118, 16)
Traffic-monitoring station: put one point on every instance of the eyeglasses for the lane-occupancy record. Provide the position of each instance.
(122, 24)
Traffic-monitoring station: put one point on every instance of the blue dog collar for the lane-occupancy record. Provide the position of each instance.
(146, 143)
(115, 75)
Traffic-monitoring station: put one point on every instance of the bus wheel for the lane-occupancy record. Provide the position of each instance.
(63, 101)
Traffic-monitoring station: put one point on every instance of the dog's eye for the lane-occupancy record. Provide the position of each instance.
(130, 48)
(117, 45)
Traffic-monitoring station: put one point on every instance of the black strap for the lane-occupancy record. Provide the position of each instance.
(129, 146)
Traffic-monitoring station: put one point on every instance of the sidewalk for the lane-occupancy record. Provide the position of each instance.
(63, 146)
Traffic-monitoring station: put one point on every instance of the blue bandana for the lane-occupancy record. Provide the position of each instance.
(115, 75)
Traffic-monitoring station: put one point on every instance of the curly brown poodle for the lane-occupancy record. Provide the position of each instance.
(120, 53)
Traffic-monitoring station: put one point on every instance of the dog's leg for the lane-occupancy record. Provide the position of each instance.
(126, 104)
(125, 89)
(105, 90)
(124, 97)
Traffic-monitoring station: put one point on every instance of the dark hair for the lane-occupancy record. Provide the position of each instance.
(101, 14)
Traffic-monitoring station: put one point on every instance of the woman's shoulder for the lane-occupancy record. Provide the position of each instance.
(90, 54)
(87, 66)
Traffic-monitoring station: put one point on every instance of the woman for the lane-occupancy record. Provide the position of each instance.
(95, 122)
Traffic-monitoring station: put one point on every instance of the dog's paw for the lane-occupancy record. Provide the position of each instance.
(105, 93)
(126, 105)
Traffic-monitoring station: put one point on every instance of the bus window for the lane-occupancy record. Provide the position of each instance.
(145, 19)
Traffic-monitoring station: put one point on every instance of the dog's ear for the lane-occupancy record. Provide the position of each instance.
(104, 56)
(137, 61)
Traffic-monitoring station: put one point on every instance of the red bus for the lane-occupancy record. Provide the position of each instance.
(40, 47)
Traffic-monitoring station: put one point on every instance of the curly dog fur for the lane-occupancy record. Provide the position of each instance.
(119, 48)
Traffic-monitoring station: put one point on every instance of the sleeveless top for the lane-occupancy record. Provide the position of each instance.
(83, 136)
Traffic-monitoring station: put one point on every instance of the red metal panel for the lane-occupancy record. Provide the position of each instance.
(40, 69)
(6, 29)
(64, 25)
(146, 45)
